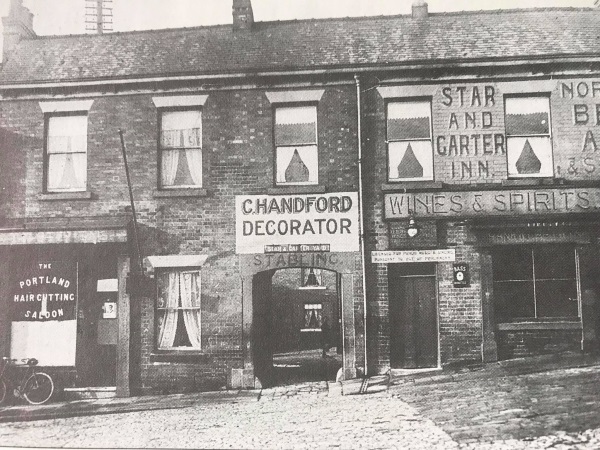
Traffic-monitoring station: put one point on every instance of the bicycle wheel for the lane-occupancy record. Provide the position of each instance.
(3, 392)
(38, 388)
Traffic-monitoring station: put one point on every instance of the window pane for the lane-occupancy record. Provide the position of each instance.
(297, 165)
(67, 172)
(556, 298)
(181, 168)
(529, 157)
(512, 263)
(409, 120)
(554, 262)
(296, 125)
(410, 160)
(513, 299)
(527, 116)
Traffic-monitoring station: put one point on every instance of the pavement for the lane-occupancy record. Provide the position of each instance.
(543, 402)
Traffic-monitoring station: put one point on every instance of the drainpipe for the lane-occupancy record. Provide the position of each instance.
(361, 214)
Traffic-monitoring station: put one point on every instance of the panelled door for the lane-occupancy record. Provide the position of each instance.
(413, 316)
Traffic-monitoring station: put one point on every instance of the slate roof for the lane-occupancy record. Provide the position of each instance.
(308, 44)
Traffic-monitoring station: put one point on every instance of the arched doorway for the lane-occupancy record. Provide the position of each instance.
(297, 325)
(257, 347)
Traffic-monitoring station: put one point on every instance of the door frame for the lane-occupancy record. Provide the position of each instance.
(435, 277)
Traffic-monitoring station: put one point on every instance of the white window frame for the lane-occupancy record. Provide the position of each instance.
(182, 149)
(312, 147)
(50, 153)
(549, 173)
(180, 309)
(427, 163)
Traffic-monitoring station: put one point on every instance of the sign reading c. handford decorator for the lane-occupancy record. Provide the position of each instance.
(495, 203)
(297, 223)
(46, 292)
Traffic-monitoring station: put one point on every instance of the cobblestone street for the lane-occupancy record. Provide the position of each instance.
(487, 410)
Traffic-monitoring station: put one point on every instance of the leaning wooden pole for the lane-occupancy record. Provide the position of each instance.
(135, 224)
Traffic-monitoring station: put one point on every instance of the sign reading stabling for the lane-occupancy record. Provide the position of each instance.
(45, 292)
(297, 223)
(460, 276)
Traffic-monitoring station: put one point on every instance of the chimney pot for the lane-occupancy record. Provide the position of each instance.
(419, 9)
(18, 25)
(243, 17)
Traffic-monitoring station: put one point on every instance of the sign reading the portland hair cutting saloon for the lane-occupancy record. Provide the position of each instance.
(494, 203)
(45, 292)
(297, 223)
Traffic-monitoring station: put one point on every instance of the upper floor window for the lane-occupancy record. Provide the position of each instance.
(66, 153)
(297, 156)
(178, 324)
(181, 149)
(410, 151)
(528, 140)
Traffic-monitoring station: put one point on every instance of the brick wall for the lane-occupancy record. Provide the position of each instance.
(238, 158)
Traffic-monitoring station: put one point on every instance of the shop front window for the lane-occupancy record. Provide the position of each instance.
(538, 282)
(178, 311)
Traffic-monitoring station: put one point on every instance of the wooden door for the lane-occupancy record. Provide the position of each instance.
(413, 320)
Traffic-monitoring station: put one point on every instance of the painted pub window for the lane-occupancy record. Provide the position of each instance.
(66, 153)
(410, 151)
(313, 317)
(528, 140)
(178, 311)
(296, 152)
(181, 149)
(538, 282)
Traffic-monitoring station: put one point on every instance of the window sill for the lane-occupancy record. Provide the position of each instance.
(531, 181)
(58, 196)
(297, 189)
(516, 326)
(411, 186)
(185, 356)
(172, 193)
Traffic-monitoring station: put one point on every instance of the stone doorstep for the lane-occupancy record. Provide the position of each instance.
(89, 393)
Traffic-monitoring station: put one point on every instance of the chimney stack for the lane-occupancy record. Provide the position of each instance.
(18, 25)
(243, 17)
(419, 9)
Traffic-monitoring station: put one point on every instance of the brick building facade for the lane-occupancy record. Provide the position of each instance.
(461, 146)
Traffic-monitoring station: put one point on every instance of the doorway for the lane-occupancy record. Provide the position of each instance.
(413, 316)
(296, 310)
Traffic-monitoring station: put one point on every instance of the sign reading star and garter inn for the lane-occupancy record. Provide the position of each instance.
(297, 223)
(45, 292)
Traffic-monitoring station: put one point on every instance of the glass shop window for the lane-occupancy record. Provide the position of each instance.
(538, 282)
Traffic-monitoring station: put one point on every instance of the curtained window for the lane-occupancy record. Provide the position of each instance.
(313, 317)
(528, 140)
(296, 153)
(178, 311)
(410, 151)
(66, 153)
(181, 149)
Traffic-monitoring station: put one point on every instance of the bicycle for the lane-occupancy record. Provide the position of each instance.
(36, 387)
